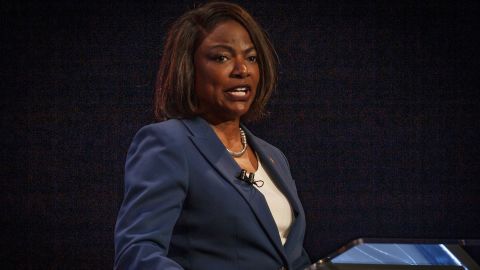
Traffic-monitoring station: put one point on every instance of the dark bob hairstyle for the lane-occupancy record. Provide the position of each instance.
(174, 89)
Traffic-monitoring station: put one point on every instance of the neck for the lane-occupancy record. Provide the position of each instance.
(229, 133)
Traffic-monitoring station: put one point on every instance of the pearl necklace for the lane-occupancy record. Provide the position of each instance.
(243, 138)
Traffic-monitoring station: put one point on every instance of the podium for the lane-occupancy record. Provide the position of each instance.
(403, 254)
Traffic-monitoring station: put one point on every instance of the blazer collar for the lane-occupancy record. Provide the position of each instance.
(214, 151)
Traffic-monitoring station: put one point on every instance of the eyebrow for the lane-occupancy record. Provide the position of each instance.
(229, 48)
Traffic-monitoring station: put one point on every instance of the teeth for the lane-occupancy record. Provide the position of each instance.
(239, 89)
(239, 93)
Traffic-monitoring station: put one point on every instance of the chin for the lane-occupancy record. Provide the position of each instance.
(239, 112)
(235, 114)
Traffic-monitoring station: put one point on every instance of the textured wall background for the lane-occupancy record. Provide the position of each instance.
(376, 109)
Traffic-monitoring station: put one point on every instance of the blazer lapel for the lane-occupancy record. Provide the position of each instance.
(214, 151)
(281, 176)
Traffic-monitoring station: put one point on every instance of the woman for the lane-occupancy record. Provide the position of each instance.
(191, 198)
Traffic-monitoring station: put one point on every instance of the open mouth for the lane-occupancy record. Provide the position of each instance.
(239, 91)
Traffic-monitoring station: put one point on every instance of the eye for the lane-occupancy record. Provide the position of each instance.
(252, 59)
(220, 58)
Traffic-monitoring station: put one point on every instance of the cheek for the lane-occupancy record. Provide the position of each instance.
(208, 83)
(202, 80)
(256, 74)
(210, 77)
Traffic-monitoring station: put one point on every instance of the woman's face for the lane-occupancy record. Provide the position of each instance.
(226, 73)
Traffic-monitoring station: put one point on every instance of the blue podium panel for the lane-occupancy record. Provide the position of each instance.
(399, 254)
(403, 254)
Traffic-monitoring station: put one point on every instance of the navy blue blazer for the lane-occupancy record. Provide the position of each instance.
(184, 208)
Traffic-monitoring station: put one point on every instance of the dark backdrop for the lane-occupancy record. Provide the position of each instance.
(376, 110)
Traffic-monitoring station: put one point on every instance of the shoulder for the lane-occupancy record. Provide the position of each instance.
(278, 153)
(268, 148)
(172, 126)
(171, 130)
(170, 133)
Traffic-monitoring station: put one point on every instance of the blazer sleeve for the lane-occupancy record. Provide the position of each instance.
(156, 183)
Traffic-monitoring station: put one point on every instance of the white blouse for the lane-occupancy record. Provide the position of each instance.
(279, 206)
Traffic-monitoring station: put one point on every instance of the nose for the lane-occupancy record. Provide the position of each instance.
(240, 70)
